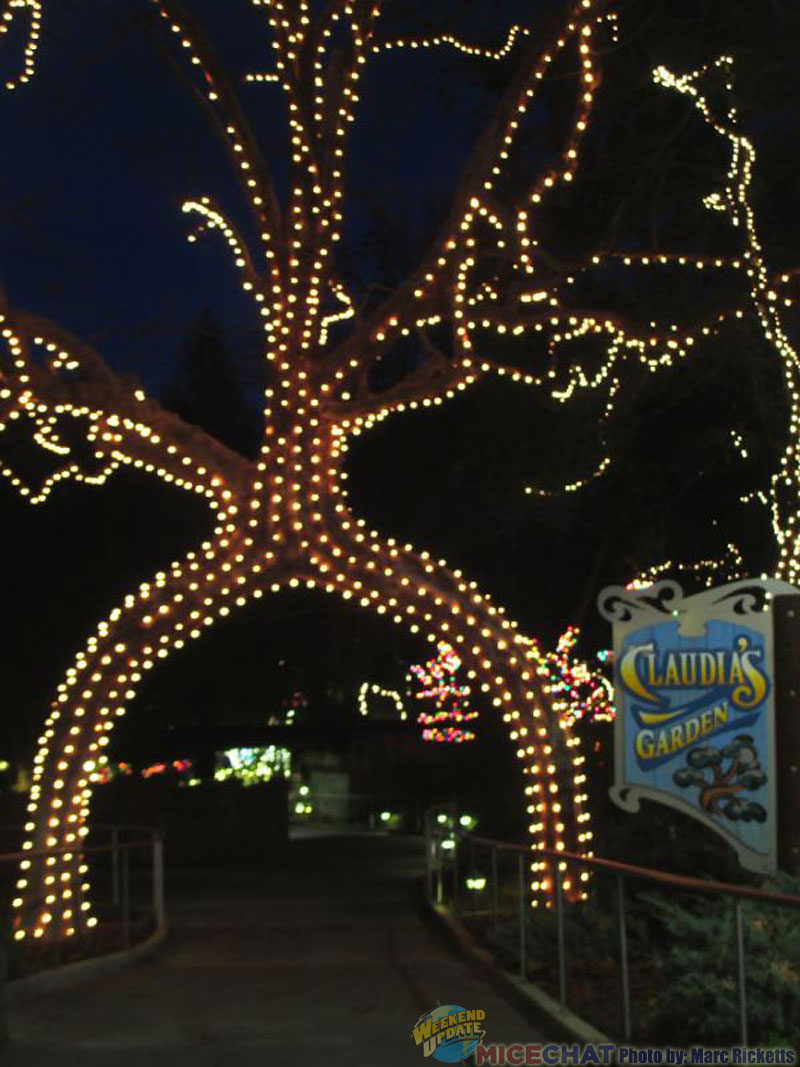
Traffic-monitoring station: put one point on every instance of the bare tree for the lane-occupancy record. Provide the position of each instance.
(284, 520)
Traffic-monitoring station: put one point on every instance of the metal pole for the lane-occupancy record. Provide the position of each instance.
(114, 865)
(562, 971)
(158, 880)
(494, 888)
(472, 872)
(428, 855)
(3, 975)
(741, 970)
(126, 897)
(623, 956)
(523, 962)
(454, 904)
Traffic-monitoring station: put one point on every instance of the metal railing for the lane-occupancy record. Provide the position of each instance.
(117, 883)
(443, 865)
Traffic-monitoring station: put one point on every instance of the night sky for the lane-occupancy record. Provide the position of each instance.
(100, 150)
(103, 148)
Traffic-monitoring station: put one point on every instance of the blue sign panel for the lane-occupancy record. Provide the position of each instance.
(695, 714)
(694, 695)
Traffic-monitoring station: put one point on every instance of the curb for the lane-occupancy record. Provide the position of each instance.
(72, 974)
(537, 1006)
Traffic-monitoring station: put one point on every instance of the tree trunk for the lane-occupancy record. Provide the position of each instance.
(293, 528)
(426, 597)
(53, 892)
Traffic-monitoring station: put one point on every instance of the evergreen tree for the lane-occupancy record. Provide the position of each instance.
(206, 389)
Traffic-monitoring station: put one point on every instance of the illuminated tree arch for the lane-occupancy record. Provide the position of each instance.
(283, 520)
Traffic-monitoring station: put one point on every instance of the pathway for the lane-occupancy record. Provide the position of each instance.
(323, 962)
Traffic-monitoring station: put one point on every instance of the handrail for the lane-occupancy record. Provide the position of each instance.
(438, 835)
(11, 857)
(681, 881)
(94, 826)
(120, 852)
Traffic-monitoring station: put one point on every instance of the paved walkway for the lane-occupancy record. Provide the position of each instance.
(325, 962)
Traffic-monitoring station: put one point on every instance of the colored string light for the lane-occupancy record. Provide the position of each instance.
(436, 683)
(578, 692)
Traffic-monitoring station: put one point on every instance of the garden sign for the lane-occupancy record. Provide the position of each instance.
(695, 714)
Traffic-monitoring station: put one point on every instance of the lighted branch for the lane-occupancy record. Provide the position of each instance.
(734, 200)
(32, 10)
(712, 571)
(766, 295)
(479, 228)
(769, 296)
(661, 346)
(198, 65)
(429, 291)
(212, 219)
(428, 297)
(450, 41)
(121, 425)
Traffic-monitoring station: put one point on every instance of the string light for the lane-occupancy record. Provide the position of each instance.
(447, 39)
(179, 766)
(579, 693)
(657, 348)
(734, 201)
(284, 520)
(254, 766)
(436, 683)
(34, 12)
(712, 571)
(368, 689)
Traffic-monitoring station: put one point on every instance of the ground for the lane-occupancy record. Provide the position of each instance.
(325, 959)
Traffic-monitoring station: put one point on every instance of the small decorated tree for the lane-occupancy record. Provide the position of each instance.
(578, 691)
(447, 701)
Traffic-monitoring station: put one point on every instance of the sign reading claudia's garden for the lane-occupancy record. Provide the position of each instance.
(694, 688)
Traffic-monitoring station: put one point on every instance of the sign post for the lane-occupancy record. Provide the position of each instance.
(695, 699)
(787, 726)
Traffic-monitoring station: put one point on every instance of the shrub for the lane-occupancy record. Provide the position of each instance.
(695, 950)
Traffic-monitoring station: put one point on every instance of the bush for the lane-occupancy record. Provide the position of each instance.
(696, 953)
(682, 962)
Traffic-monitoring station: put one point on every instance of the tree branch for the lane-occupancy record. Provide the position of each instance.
(219, 100)
(401, 310)
(32, 42)
(213, 219)
(125, 427)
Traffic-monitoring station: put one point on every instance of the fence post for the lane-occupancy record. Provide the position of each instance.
(623, 956)
(456, 840)
(471, 874)
(494, 887)
(158, 880)
(523, 961)
(429, 846)
(741, 972)
(3, 976)
(126, 897)
(562, 970)
(114, 865)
